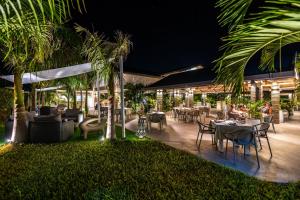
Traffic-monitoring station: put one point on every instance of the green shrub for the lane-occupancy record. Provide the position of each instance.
(6, 103)
(255, 109)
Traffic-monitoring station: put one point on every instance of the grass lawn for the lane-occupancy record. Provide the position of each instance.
(131, 169)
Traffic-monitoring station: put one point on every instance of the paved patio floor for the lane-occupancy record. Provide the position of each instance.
(282, 167)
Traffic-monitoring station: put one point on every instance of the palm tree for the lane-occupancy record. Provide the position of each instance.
(105, 57)
(122, 49)
(71, 84)
(86, 81)
(27, 40)
(20, 57)
(276, 25)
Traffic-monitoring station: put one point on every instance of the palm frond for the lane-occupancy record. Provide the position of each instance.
(28, 20)
(232, 12)
(123, 44)
(266, 33)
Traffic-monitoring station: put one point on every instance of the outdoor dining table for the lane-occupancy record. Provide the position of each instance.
(229, 126)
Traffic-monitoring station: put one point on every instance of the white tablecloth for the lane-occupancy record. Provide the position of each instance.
(224, 127)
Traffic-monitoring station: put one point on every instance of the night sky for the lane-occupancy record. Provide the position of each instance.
(166, 35)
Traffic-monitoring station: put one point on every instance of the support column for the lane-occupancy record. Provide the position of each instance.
(159, 100)
(186, 99)
(204, 95)
(253, 91)
(275, 99)
(191, 98)
(35, 99)
(260, 91)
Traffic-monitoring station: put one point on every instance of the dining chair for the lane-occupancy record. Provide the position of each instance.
(269, 119)
(262, 132)
(220, 115)
(201, 115)
(181, 115)
(155, 118)
(244, 138)
(196, 114)
(204, 129)
(189, 115)
(174, 113)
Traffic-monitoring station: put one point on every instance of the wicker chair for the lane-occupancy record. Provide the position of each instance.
(262, 132)
(180, 115)
(155, 118)
(220, 115)
(269, 119)
(196, 114)
(204, 129)
(92, 125)
(242, 137)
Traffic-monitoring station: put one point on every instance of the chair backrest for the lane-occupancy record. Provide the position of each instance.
(72, 112)
(155, 118)
(45, 110)
(268, 119)
(233, 115)
(196, 113)
(204, 127)
(220, 115)
(262, 129)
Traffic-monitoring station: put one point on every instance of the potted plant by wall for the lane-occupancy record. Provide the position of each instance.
(255, 109)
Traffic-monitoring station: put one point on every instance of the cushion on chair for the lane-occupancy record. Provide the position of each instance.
(45, 110)
(48, 118)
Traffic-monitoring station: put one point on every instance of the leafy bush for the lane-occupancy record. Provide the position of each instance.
(168, 102)
(288, 105)
(198, 98)
(178, 101)
(125, 170)
(134, 95)
(255, 109)
(1, 134)
(149, 101)
(6, 103)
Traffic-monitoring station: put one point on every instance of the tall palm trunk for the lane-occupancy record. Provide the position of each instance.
(74, 100)
(110, 133)
(33, 97)
(43, 98)
(86, 101)
(19, 133)
(81, 99)
(68, 99)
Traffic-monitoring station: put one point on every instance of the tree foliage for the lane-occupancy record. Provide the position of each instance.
(105, 56)
(277, 25)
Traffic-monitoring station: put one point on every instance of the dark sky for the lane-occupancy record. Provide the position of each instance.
(166, 35)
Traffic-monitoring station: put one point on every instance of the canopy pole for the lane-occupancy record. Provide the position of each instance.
(35, 99)
(122, 97)
(98, 99)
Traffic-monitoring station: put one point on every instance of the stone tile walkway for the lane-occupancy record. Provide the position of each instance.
(282, 167)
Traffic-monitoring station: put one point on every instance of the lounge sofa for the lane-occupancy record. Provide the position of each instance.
(72, 114)
(44, 128)
(47, 110)
(50, 129)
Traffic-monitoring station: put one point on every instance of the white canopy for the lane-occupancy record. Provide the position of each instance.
(52, 74)
(48, 88)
